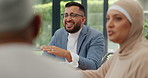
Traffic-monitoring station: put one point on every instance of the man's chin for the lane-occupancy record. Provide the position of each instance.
(70, 31)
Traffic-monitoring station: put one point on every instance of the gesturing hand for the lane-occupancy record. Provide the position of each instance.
(57, 51)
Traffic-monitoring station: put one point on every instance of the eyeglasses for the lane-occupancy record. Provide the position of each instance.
(73, 15)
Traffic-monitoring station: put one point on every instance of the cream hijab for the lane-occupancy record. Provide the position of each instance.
(135, 12)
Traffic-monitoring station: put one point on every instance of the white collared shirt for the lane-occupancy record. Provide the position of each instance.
(72, 48)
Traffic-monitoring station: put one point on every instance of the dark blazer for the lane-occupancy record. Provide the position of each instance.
(90, 46)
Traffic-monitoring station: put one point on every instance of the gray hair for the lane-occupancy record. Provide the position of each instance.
(15, 14)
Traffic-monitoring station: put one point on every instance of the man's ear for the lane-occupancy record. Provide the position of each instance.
(83, 20)
(36, 25)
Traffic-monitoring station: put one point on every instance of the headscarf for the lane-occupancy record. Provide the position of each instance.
(15, 14)
(136, 18)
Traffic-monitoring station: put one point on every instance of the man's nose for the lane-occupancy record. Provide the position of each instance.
(69, 18)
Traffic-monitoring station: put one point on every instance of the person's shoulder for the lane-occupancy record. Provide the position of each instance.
(60, 31)
(141, 48)
(62, 69)
(141, 53)
(53, 68)
(140, 62)
(93, 30)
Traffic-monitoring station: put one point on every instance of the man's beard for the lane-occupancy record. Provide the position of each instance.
(75, 29)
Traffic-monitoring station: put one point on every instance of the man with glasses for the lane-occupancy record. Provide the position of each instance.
(76, 43)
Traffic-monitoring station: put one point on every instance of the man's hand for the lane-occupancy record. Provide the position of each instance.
(58, 52)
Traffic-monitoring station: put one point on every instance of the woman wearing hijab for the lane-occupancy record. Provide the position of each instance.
(124, 26)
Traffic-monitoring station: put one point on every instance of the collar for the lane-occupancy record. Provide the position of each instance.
(75, 35)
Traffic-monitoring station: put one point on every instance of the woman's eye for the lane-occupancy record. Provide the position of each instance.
(118, 18)
(107, 18)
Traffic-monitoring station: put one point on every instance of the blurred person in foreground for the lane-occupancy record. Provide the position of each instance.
(18, 28)
(77, 44)
(125, 22)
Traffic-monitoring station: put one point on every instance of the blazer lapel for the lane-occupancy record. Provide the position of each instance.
(81, 38)
(65, 37)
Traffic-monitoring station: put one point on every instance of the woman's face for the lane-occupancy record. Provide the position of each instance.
(118, 26)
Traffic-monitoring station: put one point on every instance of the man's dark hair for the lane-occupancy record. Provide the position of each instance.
(69, 4)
